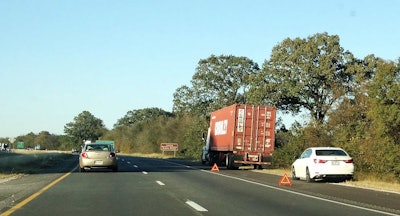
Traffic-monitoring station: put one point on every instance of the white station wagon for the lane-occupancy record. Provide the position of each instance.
(319, 163)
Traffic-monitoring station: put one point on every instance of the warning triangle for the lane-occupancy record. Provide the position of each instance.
(215, 168)
(285, 180)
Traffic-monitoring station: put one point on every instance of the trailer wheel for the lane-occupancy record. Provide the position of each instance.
(213, 159)
(257, 166)
(229, 161)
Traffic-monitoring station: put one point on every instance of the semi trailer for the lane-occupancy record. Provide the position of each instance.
(240, 135)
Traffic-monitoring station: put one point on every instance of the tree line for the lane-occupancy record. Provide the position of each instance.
(352, 103)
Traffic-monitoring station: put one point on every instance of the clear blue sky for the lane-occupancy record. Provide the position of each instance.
(59, 58)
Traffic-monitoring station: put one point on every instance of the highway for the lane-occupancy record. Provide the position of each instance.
(146, 186)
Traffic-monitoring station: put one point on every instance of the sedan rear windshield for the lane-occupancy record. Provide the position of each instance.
(98, 148)
(330, 152)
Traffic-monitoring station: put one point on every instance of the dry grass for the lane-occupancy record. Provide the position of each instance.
(152, 155)
(384, 183)
(25, 162)
(363, 180)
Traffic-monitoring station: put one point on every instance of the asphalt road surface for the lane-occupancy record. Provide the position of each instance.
(145, 186)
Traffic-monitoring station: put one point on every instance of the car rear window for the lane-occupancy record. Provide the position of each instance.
(330, 152)
(98, 148)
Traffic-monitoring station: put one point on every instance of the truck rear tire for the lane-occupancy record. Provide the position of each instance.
(213, 159)
(230, 164)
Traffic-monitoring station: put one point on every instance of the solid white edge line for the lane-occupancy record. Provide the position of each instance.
(304, 195)
(196, 206)
(293, 192)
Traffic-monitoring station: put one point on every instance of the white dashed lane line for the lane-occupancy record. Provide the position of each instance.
(160, 183)
(196, 206)
(190, 203)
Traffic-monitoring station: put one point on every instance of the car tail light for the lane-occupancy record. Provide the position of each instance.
(319, 161)
(349, 161)
(84, 155)
(112, 154)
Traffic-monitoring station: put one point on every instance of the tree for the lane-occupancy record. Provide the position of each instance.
(140, 115)
(28, 139)
(85, 127)
(47, 140)
(184, 100)
(367, 124)
(384, 93)
(218, 81)
(304, 74)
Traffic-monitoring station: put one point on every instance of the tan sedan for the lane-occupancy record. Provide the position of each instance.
(95, 155)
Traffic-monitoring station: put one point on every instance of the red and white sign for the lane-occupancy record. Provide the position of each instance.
(169, 147)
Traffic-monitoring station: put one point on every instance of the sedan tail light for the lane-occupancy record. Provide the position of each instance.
(84, 155)
(112, 154)
(349, 161)
(319, 161)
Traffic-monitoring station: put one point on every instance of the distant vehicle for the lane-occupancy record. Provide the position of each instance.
(4, 147)
(75, 150)
(240, 135)
(319, 163)
(98, 156)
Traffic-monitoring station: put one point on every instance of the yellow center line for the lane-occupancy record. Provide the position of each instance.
(33, 196)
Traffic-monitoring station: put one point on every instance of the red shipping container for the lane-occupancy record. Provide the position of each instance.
(245, 131)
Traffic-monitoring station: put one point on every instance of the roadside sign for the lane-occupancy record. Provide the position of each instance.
(20, 145)
(169, 147)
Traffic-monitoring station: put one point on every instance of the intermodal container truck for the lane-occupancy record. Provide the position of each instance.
(240, 135)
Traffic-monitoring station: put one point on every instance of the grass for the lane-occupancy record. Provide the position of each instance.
(364, 180)
(154, 155)
(28, 162)
(378, 182)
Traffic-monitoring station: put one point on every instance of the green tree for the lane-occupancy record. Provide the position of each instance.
(135, 116)
(367, 124)
(4, 140)
(385, 96)
(384, 113)
(218, 81)
(28, 139)
(85, 127)
(47, 140)
(305, 74)
(67, 142)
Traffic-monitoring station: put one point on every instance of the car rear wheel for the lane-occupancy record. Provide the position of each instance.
(294, 177)
(308, 178)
